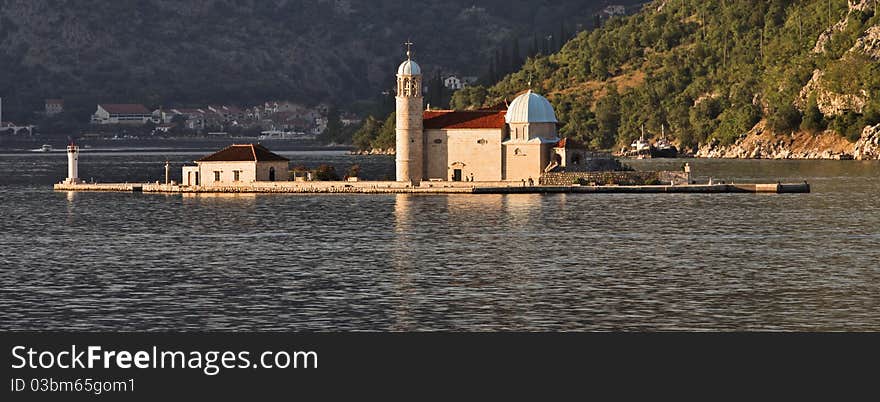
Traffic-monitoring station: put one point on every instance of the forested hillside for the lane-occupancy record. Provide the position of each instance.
(711, 70)
(224, 51)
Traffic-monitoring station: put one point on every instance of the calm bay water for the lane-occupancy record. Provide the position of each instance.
(118, 261)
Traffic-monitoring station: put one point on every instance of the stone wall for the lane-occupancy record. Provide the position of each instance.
(596, 164)
(620, 178)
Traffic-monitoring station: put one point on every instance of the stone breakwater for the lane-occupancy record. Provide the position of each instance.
(473, 188)
(614, 178)
(431, 187)
(760, 144)
(373, 151)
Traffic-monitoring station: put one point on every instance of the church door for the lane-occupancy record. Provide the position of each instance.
(271, 174)
(456, 175)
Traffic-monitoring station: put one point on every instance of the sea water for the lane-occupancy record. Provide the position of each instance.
(523, 262)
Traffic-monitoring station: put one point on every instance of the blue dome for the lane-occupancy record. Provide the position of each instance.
(409, 67)
(530, 108)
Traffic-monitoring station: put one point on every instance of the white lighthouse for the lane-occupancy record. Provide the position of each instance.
(72, 165)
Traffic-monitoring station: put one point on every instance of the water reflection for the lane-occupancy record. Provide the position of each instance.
(402, 263)
(459, 262)
(71, 201)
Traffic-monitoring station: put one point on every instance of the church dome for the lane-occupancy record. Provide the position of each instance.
(530, 108)
(409, 67)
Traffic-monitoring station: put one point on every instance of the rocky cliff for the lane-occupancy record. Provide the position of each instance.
(868, 146)
(722, 78)
(760, 143)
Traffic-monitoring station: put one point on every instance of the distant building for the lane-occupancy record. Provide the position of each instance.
(54, 106)
(237, 164)
(132, 114)
(614, 9)
(349, 119)
(8, 127)
(254, 113)
(163, 116)
(454, 83)
(229, 114)
(194, 119)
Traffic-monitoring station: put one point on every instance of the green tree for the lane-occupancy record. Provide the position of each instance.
(814, 120)
(607, 119)
(366, 134)
(325, 173)
(387, 136)
(334, 132)
(468, 98)
(736, 121)
(784, 119)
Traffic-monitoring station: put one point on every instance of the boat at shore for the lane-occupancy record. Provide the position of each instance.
(642, 149)
(663, 148)
(43, 148)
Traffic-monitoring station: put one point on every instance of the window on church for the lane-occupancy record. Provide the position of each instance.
(482, 141)
(236, 175)
(517, 151)
(216, 175)
(438, 141)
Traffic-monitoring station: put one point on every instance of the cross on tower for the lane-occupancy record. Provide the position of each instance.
(408, 44)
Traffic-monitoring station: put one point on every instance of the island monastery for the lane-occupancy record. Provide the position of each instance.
(516, 144)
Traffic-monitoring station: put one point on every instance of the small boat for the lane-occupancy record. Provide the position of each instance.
(44, 148)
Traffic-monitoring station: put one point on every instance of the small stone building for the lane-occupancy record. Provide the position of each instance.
(237, 164)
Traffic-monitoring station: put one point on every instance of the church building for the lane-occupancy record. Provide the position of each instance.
(517, 144)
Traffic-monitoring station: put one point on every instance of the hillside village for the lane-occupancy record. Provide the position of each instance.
(269, 120)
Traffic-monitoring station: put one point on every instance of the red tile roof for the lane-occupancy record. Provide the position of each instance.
(243, 153)
(569, 143)
(438, 119)
(121, 108)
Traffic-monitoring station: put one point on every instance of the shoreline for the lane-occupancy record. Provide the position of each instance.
(367, 187)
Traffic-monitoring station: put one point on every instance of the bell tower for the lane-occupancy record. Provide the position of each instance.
(408, 115)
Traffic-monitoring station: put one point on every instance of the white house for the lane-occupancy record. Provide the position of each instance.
(133, 114)
(237, 164)
(454, 83)
(614, 9)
